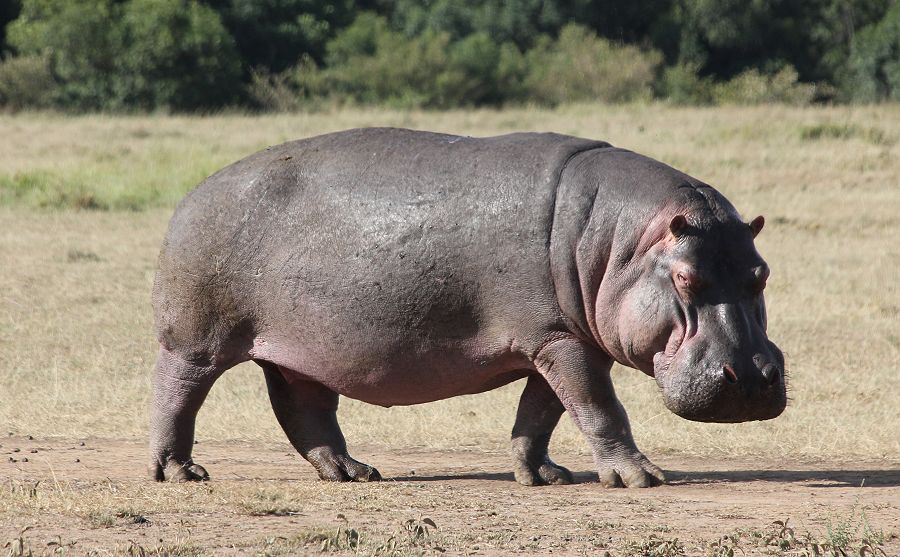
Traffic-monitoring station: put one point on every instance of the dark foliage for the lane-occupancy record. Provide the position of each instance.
(9, 11)
(271, 34)
(190, 55)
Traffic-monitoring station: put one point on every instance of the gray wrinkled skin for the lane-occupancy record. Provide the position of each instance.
(402, 267)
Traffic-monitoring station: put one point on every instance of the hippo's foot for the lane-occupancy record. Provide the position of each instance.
(180, 386)
(542, 473)
(340, 467)
(174, 471)
(629, 470)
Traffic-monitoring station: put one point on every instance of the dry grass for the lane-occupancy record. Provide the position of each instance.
(75, 324)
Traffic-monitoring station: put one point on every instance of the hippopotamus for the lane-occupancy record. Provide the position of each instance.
(400, 267)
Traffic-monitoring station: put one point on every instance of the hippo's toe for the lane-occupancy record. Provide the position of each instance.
(630, 472)
(174, 471)
(546, 473)
(336, 467)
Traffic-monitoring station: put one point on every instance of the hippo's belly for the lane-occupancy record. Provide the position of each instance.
(411, 371)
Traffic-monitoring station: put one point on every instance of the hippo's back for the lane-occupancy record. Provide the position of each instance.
(370, 233)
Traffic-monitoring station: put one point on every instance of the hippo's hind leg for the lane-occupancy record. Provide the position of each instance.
(307, 412)
(179, 389)
(539, 412)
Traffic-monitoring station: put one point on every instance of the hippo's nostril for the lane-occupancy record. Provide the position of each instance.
(729, 373)
(771, 374)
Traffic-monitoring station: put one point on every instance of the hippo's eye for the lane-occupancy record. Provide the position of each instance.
(687, 281)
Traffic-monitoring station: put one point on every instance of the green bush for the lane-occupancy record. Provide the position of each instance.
(580, 66)
(271, 34)
(176, 55)
(274, 91)
(80, 40)
(470, 77)
(368, 63)
(145, 54)
(26, 82)
(873, 68)
(753, 87)
(359, 39)
(514, 21)
(681, 84)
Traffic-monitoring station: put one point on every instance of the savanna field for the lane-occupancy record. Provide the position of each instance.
(84, 203)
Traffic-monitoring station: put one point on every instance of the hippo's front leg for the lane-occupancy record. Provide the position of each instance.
(579, 375)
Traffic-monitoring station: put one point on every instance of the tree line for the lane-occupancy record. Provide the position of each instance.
(202, 55)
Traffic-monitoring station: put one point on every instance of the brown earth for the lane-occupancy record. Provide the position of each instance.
(93, 498)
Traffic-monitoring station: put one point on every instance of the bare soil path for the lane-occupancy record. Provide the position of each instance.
(80, 496)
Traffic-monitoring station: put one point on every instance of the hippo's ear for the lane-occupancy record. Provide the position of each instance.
(677, 225)
(757, 224)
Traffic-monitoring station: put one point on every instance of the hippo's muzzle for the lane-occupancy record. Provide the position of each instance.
(709, 380)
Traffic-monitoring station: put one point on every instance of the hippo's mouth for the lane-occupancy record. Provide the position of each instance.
(684, 330)
(662, 360)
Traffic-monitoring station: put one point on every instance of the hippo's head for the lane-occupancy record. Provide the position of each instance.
(694, 318)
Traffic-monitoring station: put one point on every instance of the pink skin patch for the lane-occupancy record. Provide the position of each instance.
(661, 234)
(662, 229)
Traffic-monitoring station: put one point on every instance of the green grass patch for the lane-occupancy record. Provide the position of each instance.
(45, 190)
(109, 186)
(830, 130)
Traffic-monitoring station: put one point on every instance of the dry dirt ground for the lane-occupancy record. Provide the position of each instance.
(264, 500)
